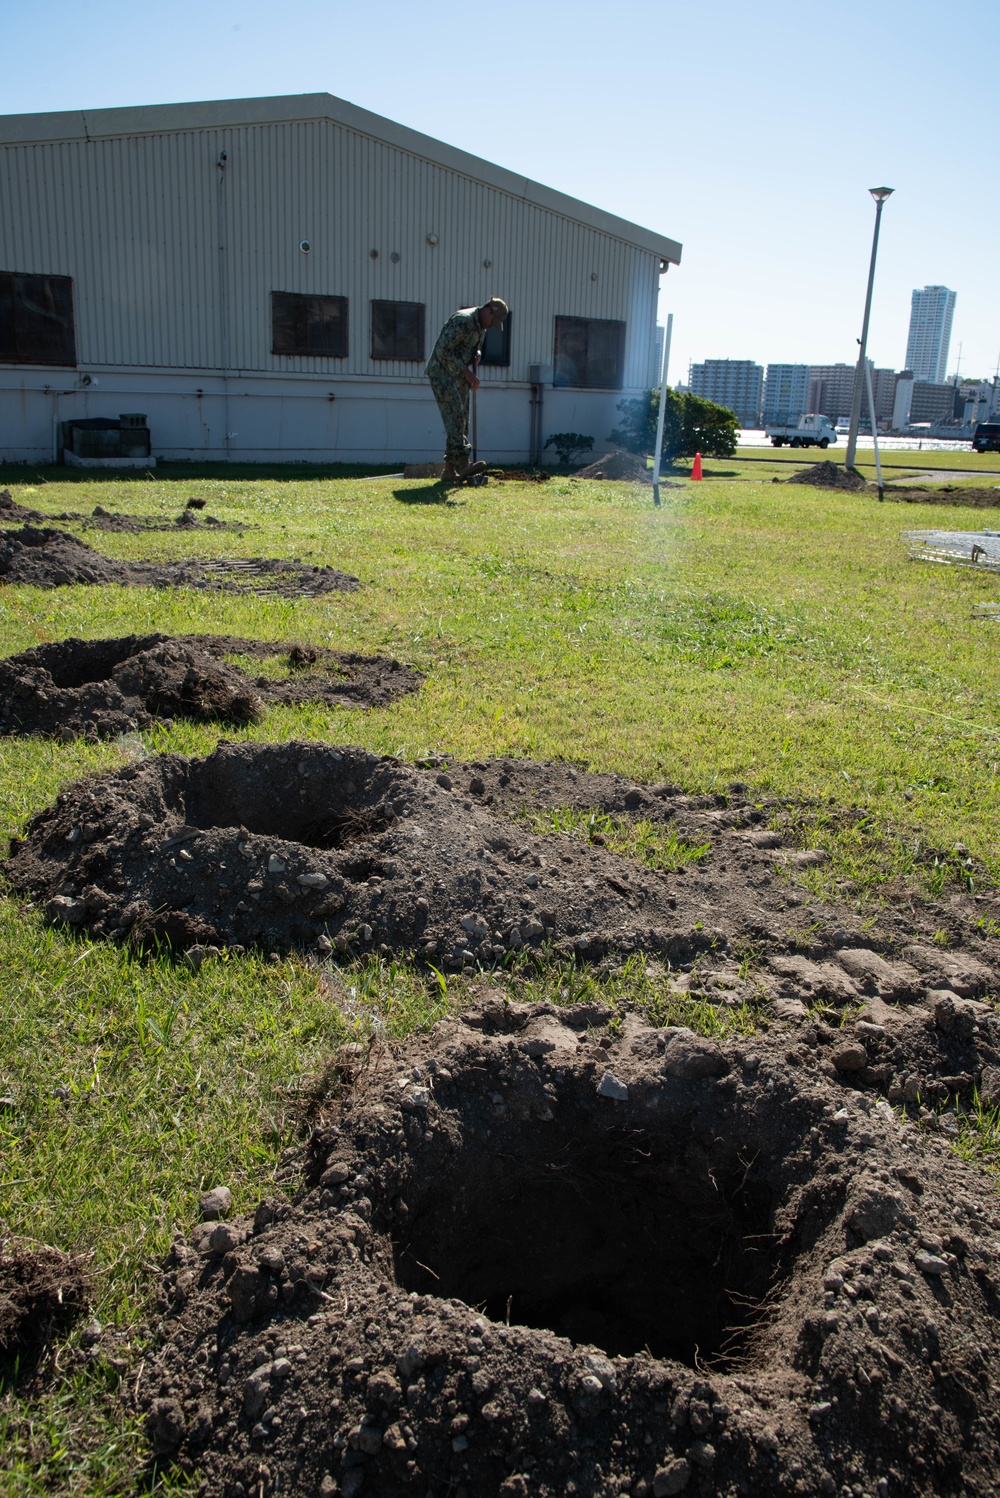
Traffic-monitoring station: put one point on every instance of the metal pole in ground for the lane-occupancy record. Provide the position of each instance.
(871, 413)
(658, 447)
(879, 194)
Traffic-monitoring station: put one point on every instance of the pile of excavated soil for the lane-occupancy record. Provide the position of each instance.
(305, 846)
(617, 464)
(42, 1291)
(829, 476)
(51, 558)
(11, 513)
(188, 519)
(948, 494)
(548, 1252)
(106, 687)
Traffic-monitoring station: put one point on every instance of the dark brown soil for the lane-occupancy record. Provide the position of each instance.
(102, 688)
(50, 558)
(548, 1252)
(948, 494)
(519, 475)
(11, 513)
(189, 519)
(617, 464)
(307, 846)
(42, 1291)
(829, 476)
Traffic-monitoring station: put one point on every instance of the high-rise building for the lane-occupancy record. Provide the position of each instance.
(735, 383)
(786, 390)
(931, 313)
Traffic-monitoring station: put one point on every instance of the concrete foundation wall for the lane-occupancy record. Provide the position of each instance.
(280, 420)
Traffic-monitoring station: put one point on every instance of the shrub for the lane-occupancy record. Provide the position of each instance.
(569, 446)
(691, 425)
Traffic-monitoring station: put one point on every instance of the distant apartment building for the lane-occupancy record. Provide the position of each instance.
(786, 391)
(735, 383)
(831, 387)
(931, 313)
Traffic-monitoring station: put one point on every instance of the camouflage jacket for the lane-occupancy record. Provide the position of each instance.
(457, 343)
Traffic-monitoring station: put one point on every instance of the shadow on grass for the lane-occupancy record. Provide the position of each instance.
(53, 473)
(428, 494)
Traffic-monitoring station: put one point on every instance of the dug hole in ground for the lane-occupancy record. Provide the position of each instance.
(548, 1250)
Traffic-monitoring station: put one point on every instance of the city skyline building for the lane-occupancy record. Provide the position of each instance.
(786, 391)
(929, 338)
(735, 383)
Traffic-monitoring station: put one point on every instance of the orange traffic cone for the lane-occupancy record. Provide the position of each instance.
(696, 467)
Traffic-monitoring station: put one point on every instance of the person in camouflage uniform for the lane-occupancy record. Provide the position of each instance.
(453, 372)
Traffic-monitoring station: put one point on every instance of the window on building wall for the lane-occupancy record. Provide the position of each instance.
(36, 319)
(397, 330)
(496, 344)
(589, 351)
(309, 325)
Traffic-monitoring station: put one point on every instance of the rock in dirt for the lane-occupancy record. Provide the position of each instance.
(830, 476)
(215, 1203)
(49, 558)
(113, 686)
(698, 1292)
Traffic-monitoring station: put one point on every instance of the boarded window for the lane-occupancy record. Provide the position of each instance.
(36, 320)
(311, 325)
(589, 351)
(496, 344)
(397, 330)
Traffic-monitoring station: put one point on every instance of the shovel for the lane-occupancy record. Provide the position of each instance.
(477, 478)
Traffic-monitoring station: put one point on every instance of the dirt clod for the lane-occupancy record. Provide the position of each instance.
(113, 686)
(829, 476)
(51, 558)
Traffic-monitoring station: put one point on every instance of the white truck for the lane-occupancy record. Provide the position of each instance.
(810, 431)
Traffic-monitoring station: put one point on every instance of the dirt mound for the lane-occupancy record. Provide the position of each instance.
(42, 1291)
(617, 464)
(829, 476)
(12, 513)
(545, 1252)
(948, 494)
(106, 687)
(51, 558)
(189, 519)
(307, 846)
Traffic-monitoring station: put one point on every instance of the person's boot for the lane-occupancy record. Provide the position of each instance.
(467, 469)
(450, 474)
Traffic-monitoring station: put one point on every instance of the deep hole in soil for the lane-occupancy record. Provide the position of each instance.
(77, 663)
(613, 1239)
(316, 811)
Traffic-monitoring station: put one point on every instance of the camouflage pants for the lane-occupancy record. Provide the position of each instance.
(452, 397)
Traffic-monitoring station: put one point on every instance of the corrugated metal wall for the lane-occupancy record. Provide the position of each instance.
(174, 257)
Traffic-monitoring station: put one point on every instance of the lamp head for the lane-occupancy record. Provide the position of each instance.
(881, 193)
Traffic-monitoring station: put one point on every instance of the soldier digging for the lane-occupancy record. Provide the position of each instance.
(453, 372)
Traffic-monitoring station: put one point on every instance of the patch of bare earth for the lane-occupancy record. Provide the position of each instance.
(618, 464)
(106, 687)
(42, 1291)
(51, 558)
(543, 1252)
(948, 494)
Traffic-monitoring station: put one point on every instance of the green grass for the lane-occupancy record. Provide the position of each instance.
(656, 847)
(772, 634)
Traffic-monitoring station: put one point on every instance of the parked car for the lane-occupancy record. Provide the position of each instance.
(986, 437)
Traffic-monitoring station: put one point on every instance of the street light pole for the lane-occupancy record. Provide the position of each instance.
(879, 194)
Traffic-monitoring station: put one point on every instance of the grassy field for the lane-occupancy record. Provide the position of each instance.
(745, 631)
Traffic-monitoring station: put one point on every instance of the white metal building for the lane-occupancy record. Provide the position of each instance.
(265, 278)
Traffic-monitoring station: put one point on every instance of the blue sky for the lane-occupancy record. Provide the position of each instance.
(749, 132)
